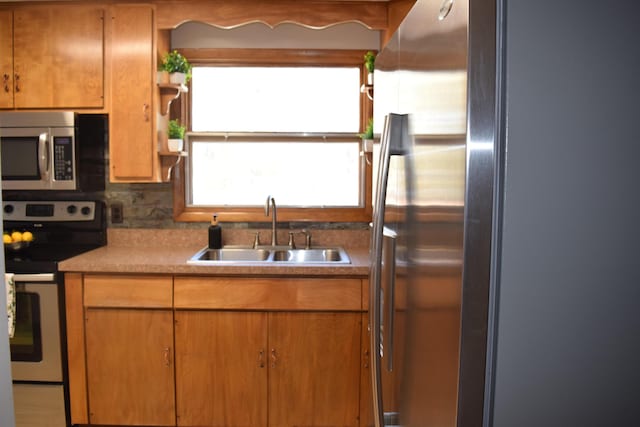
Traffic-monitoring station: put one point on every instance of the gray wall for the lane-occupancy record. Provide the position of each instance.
(569, 284)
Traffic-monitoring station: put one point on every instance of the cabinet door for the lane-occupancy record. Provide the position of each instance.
(221, 368)
(133, 146)
(130, 372)
(59, 56)
(314, 369)
(6, 58)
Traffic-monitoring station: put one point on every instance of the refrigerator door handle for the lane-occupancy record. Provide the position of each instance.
(389, 261)
(394, 136)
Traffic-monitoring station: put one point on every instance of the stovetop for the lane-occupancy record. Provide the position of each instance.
(61, 230)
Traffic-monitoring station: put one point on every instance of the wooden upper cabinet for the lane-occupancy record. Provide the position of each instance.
(6, 58)
(133, 142)
(58, 56)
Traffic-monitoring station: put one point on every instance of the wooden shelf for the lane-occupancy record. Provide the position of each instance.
(169, 160)
(169, 93)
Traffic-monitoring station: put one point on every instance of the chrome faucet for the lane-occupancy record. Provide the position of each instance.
(274, 236)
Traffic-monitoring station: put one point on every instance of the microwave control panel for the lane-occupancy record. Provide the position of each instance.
(63, 158)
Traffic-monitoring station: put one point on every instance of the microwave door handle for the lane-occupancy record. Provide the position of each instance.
(43, 154)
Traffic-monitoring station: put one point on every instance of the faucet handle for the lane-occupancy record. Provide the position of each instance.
(292, 243)
(256, 240)
(307, 238)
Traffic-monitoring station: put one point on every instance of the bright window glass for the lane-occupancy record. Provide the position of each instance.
(300, 174)
(289, 132)
(275, 99)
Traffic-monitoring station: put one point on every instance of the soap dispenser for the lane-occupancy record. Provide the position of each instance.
(215, 234)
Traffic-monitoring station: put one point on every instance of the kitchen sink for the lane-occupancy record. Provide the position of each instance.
(268, 255)
(310, 255)
(232, 254)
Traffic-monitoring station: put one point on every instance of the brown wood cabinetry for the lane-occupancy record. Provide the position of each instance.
(129, 366)
(298, 357)
(221, 368)
(314, 369)
(53, 58)
(6, 58)
(248, 351)
(129, 350)
(133, 143)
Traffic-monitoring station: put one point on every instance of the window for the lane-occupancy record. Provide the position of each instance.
(289, 130)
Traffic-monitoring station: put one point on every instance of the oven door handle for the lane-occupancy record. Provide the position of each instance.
(40, 277)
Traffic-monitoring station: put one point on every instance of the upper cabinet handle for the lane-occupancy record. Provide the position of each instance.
(145, 112)
(17, 78)
(167, 356)
(5, 80)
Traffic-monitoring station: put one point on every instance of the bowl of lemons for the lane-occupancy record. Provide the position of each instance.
(17, 240)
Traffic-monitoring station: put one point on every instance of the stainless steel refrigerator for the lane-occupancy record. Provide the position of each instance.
(434, 109)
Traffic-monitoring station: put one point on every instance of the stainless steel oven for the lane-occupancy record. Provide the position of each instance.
(36, 352)
(60, 229)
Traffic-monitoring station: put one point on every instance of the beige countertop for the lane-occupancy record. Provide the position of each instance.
(167, 252)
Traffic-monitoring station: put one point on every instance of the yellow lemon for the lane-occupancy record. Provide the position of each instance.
(27, 236)
(6, 238)
(16, 236)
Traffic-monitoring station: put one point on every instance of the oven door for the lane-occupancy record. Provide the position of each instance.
(35, 347)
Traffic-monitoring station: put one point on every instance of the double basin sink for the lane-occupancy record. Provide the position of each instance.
(270, 255)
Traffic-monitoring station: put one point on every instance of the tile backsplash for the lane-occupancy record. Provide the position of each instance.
(151, 206)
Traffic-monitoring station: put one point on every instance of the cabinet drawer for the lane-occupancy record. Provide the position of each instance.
(268, 294)
(128, 291)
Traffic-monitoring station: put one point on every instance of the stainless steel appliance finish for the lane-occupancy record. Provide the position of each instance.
(61, 229)
(61, 151)
(433, 216)
(36, 351)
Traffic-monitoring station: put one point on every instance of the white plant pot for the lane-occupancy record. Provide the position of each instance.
(369, 79)
(177, 78)
(175, 144)
(163, 77)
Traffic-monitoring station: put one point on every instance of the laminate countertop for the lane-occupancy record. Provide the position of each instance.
(167, 252)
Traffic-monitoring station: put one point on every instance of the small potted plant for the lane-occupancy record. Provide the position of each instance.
(177, 66)
(368, 131)
(176, 135)
(367, 139)
(369, 63)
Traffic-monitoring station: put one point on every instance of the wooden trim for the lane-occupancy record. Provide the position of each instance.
(248, 56)
(76, 355)
(232, 13)
(182, 213)
(397, 11)
(267, 294)
(128, 291)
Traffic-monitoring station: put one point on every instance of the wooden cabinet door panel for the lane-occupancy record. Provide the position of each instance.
(133, 146)
(59, 56)
(6, 59)
(314, 370)
(221, 368)
(130, 372)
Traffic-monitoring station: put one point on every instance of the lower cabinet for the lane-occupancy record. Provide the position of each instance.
(201, 351)
(221, 366)
(129, 366)
(129, 350)
(295, 368)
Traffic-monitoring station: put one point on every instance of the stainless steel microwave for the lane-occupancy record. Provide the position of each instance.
(53, 151)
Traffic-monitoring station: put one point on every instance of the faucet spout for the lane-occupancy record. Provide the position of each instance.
(271, 201)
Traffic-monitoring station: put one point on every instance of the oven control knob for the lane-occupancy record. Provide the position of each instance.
(71, 209)
(8, 209)
(86, 210)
